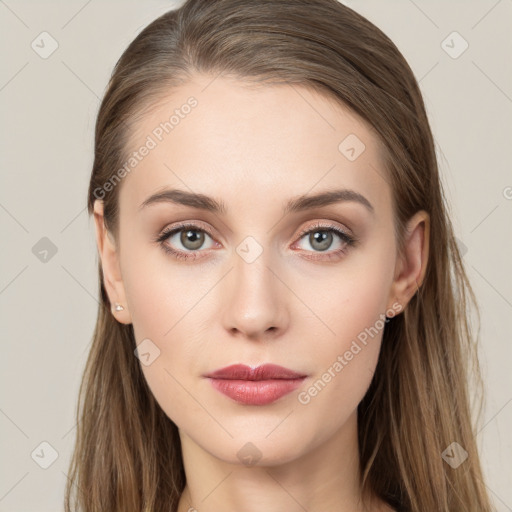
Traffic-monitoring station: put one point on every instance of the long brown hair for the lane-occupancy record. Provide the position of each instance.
(127, 455)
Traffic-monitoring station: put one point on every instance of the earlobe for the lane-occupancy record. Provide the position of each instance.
(412, 262)
(109, 256)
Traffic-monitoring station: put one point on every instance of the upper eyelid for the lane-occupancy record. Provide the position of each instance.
(187, 225)
(326, 227)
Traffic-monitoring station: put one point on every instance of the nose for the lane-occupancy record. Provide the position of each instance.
(255, 303)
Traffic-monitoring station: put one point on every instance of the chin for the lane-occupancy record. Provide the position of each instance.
(255, 449)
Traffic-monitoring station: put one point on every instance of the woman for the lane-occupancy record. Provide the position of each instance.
(283, 321)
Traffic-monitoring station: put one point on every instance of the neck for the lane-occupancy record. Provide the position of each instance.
(326, 477)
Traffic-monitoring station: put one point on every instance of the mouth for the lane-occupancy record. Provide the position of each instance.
(255, 386)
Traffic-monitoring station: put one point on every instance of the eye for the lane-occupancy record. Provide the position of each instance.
(321, 238)
(188, 238)
(185, 241)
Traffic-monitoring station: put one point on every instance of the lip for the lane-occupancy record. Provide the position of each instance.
(255, 386)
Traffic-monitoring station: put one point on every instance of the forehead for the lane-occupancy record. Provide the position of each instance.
(245, 143)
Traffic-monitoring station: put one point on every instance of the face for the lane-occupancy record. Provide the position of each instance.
(256, 281)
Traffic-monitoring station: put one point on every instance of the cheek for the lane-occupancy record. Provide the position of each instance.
(348, 358)
(164, 307)
(344, 363)
(159, 292)
(355, 301)
(354, 308)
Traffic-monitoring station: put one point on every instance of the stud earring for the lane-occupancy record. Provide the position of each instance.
(118, 307)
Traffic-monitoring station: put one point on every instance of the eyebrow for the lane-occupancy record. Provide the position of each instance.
(301, 203)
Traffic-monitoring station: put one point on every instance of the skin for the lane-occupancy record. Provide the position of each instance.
(255, 149)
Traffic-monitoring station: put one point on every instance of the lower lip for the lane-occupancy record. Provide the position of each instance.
(256, 392)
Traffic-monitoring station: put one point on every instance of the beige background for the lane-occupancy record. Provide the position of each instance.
(48, 109)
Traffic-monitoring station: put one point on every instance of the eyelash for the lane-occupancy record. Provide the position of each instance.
(349, 241)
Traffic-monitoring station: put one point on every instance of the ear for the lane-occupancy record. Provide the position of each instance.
(109, 256)
(411, 264)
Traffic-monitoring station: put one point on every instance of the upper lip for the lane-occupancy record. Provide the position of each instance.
(263, 372)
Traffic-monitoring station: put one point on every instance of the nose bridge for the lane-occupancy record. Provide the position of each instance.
(254, 295)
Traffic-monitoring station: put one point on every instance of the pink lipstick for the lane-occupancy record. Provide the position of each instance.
(255, 386)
